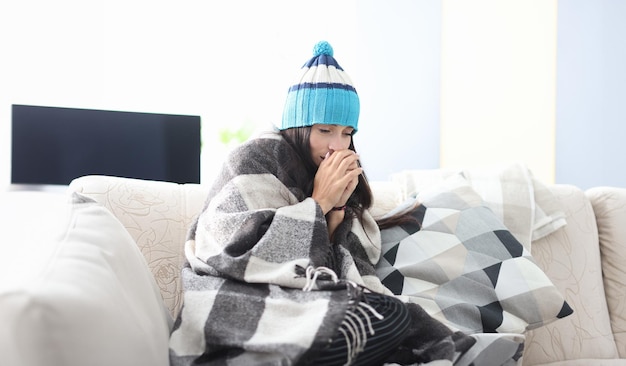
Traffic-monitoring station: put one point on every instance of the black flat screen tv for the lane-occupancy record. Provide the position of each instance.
(53, 145)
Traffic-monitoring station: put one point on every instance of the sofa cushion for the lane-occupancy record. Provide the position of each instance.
(465, 267)
(524, 204)
(84, 295)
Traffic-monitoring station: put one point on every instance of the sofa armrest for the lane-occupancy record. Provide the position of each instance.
(609, 206)
(77, 290)
(570, 257)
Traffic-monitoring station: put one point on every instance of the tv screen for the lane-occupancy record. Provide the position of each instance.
(52, 145)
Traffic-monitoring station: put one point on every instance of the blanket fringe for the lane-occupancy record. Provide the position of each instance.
(354, 330)
(312, 273)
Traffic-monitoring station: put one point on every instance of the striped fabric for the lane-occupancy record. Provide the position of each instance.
(389, 330)
(322, 93)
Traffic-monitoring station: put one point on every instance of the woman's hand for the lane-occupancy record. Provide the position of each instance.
(349, 189)
(336, 179)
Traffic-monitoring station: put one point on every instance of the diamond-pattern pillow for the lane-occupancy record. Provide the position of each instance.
(465, 268)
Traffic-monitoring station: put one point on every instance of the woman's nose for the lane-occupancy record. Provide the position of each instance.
(336, 144)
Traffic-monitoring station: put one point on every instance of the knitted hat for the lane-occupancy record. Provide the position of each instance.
(323, 93)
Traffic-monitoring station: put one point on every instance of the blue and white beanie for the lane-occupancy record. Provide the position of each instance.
(323, 93)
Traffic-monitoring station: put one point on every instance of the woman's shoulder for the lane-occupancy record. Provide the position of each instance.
(261, 144)
(267, 149)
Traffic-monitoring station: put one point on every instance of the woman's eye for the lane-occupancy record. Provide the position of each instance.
(323, 130)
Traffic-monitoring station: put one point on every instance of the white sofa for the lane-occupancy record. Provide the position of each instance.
(75, 291)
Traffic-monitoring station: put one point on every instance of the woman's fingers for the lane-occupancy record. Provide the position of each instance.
(351, 186)
(336, 179)
(341, 159)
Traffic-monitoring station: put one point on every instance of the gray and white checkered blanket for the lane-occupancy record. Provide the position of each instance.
(257, 244)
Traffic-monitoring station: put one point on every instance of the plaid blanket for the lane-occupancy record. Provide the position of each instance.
(254, 296)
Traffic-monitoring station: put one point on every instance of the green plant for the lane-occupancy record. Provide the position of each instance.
(229, 135)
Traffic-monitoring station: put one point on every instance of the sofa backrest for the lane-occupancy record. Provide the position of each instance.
(157, 215)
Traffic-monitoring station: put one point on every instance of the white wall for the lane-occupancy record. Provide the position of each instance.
(499, 83)
(398, 80)
(439, 80)
(230, 61)
(591, 97)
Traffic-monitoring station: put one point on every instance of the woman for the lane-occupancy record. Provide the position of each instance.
(280, 263)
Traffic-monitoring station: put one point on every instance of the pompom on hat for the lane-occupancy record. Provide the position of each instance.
(323, 93)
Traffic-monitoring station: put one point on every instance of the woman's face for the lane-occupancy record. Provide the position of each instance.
(328, 139)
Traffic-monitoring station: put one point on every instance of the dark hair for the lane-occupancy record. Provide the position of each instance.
(401, 218)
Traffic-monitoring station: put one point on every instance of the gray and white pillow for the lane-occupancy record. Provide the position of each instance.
(464, 267)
